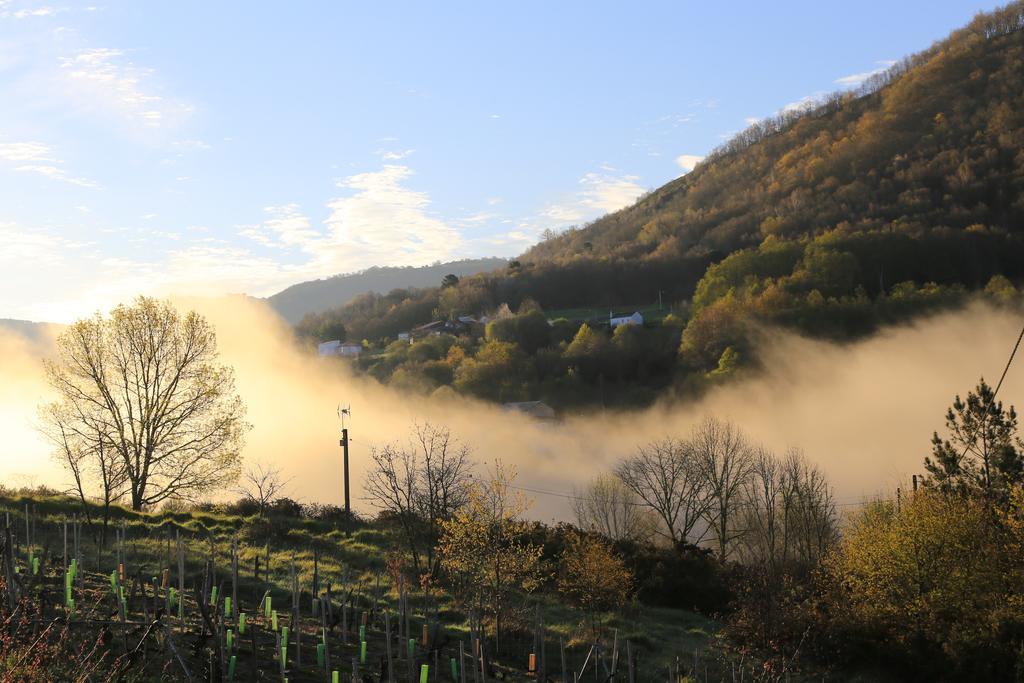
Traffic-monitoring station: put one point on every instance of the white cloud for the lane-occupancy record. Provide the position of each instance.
(481, 217)
(106, 78)
(390, 155)
(607, 192)
(286, 227)
(36, 12)
(384, 223)
(803, 104)
(688, 162)
(40, 153)
(751, 120)
(855, 80)
(25, 151)
(600, 193)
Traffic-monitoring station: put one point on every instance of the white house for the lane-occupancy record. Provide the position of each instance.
(338, 348)
(350, 350)
(404, 336)
(635, 319)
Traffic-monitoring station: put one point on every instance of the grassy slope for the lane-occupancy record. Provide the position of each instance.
(349, 562)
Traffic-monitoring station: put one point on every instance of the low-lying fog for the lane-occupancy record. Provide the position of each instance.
(864, 411)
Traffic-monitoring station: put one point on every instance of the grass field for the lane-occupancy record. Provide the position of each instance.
(352, 561)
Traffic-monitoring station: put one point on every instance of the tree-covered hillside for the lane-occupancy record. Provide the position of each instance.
(868, 208)
(935, 142)
(322, 295)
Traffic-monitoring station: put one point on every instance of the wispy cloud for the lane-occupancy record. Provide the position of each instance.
(25, 151)
(392, 155)
(55, 173)
(286, 227)
(855, 80)
(42, 160)
(803, 104)
(35, 12)
(599, 193)
(107, 78)
(607, 192)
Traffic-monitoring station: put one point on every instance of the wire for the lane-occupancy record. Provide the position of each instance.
(573, 496)
(995, 392)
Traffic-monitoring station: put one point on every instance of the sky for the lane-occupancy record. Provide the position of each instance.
(205, 148)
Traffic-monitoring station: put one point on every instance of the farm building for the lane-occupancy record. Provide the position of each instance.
(339, 348)
(635, 319)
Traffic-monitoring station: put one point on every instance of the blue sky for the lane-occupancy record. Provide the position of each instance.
(220, 147)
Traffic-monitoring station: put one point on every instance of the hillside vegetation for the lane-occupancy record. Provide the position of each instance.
(320, 295)
(868, 208)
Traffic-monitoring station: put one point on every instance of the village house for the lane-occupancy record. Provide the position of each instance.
(339, 348)
(635, 319)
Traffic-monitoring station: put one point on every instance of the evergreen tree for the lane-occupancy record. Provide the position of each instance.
(982, 451)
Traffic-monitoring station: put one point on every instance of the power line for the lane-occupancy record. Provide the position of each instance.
(573, 496)
(991, 401)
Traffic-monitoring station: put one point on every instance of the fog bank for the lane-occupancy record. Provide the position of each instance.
(863, 411)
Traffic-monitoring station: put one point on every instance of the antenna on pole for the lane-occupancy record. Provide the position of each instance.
(342, 412)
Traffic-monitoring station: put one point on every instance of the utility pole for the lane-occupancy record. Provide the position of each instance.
(342, 412)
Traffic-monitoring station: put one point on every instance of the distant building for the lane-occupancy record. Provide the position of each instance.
(429, 330)
(535, 409)
(635, 319)
(339, 348)
(350, 350)
(404, 336)
(465, 324)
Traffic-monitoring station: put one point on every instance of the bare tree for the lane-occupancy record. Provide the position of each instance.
(609, 507)
(762, 515)
(147, 379)
(724, 459)
(811, 520)
(664, 475)
(82, 448)
(420, 485)
(262, 486)
(787, 513)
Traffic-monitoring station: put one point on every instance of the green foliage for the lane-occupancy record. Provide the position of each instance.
(320, 327)
(982, 452)
(496, 372)
(530, 331)
(923, 587)
(593, 577)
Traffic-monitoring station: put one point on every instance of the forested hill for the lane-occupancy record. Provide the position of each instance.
(869, 208)
(320, 295)
(936, 142)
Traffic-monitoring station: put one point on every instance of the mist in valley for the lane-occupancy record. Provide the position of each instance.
(864, 411)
